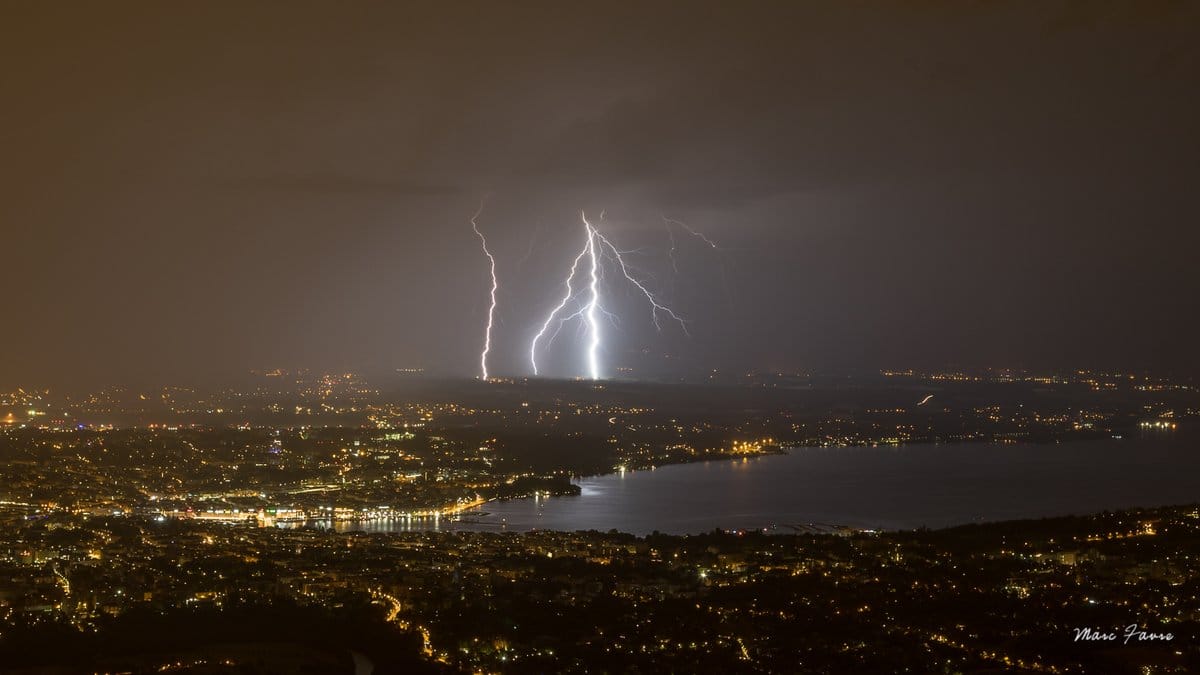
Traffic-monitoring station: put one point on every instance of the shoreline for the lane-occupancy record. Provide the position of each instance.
(470, 515)
(977, 488)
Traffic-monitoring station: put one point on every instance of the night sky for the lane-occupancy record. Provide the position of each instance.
(198, 188)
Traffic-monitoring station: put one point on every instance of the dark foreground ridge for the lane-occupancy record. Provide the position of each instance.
(80, 594)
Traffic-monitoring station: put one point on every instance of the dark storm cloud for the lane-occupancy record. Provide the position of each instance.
(341, 183)
(233, 185)
(1045, 95)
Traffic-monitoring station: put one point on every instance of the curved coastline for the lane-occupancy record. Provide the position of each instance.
(885, 488)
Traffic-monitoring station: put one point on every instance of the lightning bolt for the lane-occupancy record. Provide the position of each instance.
(593, 323)
(562, 303)
(701, 236)
(668, 222)
(671, 251)
(687, 228)
(487, 335)
(655, 305)
(596, 247)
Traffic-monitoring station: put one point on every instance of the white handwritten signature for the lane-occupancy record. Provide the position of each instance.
(1132, 632)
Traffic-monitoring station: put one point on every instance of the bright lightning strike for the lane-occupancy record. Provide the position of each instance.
(563, 303)
(655, 305)
(596, 246)
(593, 323)
(487, 335)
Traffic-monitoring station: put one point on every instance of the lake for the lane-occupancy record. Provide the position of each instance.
(880, 488)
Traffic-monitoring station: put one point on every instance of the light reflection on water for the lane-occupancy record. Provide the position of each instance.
(884, 488)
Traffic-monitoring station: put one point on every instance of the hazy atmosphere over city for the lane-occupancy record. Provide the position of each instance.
(507, 337)
(199, 189)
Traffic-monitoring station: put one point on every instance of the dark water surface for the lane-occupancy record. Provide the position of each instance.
(882, 488)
